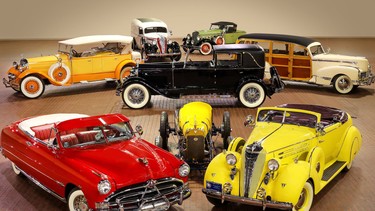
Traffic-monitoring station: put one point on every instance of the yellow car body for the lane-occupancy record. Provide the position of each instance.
(293, 152)
(113, 61)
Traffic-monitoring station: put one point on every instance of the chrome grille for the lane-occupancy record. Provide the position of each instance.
(162, 44)
(135, 196)
(253, 161)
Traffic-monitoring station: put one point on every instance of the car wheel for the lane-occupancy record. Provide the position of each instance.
(219, 40)
(164, 130)
(77, 200)
(32, 87)
(205, 48)
(306, 198)
(125, 72)
(343, 84)
(351, 158)
(60, 73)
(16, 170)
(215, 201)
(136, 96)
(252, 95)
(226, 129)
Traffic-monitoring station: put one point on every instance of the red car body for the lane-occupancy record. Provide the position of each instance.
(63, 153)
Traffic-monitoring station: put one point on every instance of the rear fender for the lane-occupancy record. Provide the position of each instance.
(351, 145)
(119, 67)
(139, 80)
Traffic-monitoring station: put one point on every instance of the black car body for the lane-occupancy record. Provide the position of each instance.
(241, 75)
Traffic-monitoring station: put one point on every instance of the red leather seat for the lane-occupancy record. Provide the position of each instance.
(43, 132)
(69, 140)
(86, 136)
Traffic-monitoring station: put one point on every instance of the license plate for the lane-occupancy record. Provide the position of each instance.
(214, 186)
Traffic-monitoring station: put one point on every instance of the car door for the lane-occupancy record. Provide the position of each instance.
(81, 68)
(280, 58)
(227, 72)
(301, 63)
(331, 141)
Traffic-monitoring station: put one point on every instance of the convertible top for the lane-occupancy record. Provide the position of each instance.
(97, 39)
(223, 23)
(304, 41)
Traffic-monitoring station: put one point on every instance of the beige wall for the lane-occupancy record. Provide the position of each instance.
(47, 19)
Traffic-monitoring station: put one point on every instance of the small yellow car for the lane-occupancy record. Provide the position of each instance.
(293, 152)
(79, 60)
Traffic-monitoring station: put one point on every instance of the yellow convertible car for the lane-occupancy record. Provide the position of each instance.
(293, 152)
(79, 60)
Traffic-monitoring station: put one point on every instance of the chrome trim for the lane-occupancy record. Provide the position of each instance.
(248, 201)
(338, 61)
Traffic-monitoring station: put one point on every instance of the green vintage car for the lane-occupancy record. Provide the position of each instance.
(222, 32)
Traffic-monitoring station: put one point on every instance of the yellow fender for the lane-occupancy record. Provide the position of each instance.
(316, 158)
(236, 145)
(121, 65)
(42, 75)
(351, 145)
(289, 183)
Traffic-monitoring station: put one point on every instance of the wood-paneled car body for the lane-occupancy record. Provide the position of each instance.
(305, 60)
(95, 162)
(195, 131)
(240, 74)
(293, 152)
(222, 32)
(79, 60)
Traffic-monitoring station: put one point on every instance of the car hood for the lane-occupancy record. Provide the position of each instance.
(128, 162)
(278, 136)
(348, 60)
(156, 35)
(209, 32)
(40, 59)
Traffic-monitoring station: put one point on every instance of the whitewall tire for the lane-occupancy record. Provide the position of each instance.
(125, 72)
(136, 96)
(60, 73)
(32, 87)
(252, 95)
(77, 201)
(205, 48)
(343, 84)
(306, 198)
(16, 169)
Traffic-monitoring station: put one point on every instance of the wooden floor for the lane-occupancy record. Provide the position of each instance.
(354, 190)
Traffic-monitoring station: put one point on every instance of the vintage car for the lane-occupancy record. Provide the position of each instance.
(95, 162)
(222, 32)
(293, 152)
(240, 74)
(109, 57)
(194, 128)
(152, 37)
(305, 60)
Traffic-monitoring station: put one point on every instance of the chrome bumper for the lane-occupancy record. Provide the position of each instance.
(162, 54)
(247, 201)
(6, 83)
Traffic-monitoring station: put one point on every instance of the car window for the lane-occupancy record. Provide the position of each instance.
(317, 49)
(263, 44)
(280, 48)
(118, 131)
(287, 117)
(155, 29)
(299, 50)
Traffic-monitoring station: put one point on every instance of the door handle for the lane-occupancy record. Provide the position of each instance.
(321, 141)
(28, 143)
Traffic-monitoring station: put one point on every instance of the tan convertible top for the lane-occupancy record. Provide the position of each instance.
(97, 39)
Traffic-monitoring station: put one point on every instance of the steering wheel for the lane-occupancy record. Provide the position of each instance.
(74, 52)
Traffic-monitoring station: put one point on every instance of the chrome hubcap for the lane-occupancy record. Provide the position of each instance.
(136, 95)
(80, 203)
(252, 95)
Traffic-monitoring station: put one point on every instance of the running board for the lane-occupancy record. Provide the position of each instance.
(330, 171)
(89, 82)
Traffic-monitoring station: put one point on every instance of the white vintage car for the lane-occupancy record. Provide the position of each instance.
(303, 59)
(152, 37)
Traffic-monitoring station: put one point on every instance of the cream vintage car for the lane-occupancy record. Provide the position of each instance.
(79, 60)
(303, 59)
(292, 153)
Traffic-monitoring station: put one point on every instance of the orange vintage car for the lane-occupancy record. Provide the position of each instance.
(79, 60)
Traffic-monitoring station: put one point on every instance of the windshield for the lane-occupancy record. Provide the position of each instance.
(287, 117)
(214, 26)
(155, 29)
(96, 135)
(317, 49)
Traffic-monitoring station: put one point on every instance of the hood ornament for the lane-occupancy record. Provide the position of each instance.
(143, 160)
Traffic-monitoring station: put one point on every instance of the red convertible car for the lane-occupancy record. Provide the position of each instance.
(95, 162)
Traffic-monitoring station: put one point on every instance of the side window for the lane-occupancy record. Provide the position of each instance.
(264, 45)
(299, 50)
(280, 48)
(140, 30)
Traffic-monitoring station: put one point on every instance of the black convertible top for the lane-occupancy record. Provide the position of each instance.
(305, 41)
(237, 47)
(223, 23)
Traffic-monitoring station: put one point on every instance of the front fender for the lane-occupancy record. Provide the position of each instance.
(131, 80)
(326, 75)
(42, 75)
(290, 181)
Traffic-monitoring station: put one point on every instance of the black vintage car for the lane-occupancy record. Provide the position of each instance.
(235, 69)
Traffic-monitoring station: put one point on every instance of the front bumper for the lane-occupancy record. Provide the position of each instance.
(12, 84)
(162, 54)
(367, 80)
(247, 201)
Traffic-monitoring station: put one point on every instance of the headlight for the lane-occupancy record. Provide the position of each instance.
(231, 159)
(273, 165)
(104, 187)
(169, 42)
(154, 42)
(184, 170)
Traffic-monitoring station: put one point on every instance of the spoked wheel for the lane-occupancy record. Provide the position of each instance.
(225, 129)
(252, 95)
(77, 201)
(164, 130)
(32, 87)
(343, 84)
(306, 198)
(205, 48)
(136, 96)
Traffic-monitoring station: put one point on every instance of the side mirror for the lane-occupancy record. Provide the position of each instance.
(250, 121)
(328, 50)
(139, 129)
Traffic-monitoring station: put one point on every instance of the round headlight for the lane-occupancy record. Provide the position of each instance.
(273, 165)
(231, 159)
(184, 170)
(104, 187)
(154, 42)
